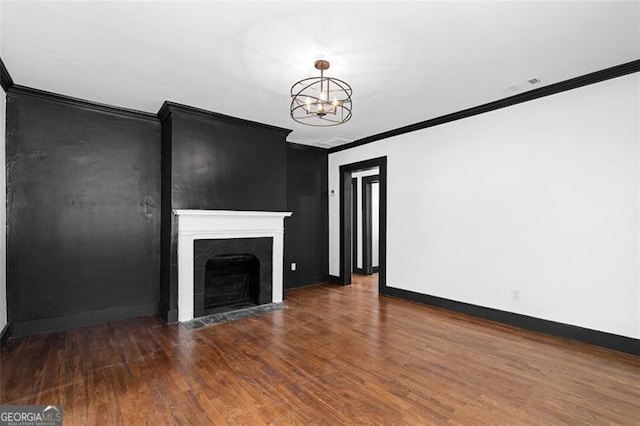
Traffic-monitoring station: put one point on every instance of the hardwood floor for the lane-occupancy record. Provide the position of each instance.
(337, 355)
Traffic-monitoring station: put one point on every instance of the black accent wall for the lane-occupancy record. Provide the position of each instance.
(306, 238)
(215, 162)
(224, 163)
(90, 193)
(83, 213)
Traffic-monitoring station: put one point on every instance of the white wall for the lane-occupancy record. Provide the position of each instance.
(3, 203)
(541, 197)
(359, 230)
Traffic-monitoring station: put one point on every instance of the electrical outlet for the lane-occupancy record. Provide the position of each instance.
(515, 295)
(293, 266)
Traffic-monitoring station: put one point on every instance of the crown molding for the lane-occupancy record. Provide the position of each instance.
(6, 82)
(303, 147)
(5, 78)
(68, 100)
(552, 89)
(169, 107)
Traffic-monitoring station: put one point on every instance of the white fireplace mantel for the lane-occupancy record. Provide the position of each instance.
(219, 224)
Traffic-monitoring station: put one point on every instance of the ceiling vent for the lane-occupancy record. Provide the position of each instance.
(332, 142)
(524, 85)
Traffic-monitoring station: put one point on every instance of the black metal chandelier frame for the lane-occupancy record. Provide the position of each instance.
(321, 101)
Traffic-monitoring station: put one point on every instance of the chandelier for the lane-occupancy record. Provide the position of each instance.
(321, 101)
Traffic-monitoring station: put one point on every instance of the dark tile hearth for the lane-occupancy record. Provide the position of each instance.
(233, 315)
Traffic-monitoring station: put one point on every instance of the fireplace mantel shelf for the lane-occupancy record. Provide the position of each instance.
(230, 213)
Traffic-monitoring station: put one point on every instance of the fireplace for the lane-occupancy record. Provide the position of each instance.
(231, 281)
(219, 235)
(231, 273)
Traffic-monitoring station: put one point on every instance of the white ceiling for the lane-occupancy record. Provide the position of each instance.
(406, 62)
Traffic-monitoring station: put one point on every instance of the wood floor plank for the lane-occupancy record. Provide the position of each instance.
(336, 355)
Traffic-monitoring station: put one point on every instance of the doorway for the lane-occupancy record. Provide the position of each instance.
(370, 224)
(348, 254)
(365, 210)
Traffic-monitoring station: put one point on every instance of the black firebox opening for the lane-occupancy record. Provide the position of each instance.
(226, 278)
(231, 281)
